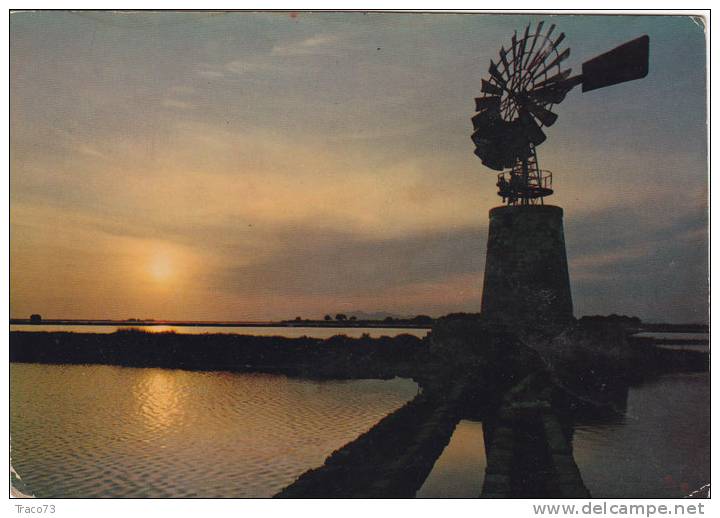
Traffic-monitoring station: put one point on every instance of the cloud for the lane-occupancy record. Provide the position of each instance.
(175, 103)
(318, 44)
(640, 259)
(304, 180)
(604, 259)
(212, 74)
(88, 150)
(328, 261)
(241, 67)
(182, 90)
(78, 143)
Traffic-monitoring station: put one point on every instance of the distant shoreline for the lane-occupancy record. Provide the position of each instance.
(397, 323)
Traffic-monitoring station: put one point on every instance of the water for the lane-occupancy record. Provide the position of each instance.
(678, 336)
(287, 332)
(89, 431)
(680, 346)
(459, 472)
(659, 447)
(105, 431)
(684, 347)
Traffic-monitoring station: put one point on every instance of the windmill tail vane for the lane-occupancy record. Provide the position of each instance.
(523, 86)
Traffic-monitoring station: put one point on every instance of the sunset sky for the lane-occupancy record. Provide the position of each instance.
(268, 165)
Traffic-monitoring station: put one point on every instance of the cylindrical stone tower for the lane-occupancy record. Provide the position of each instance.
(526, 272)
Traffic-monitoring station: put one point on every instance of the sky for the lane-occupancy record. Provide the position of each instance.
(251, 166)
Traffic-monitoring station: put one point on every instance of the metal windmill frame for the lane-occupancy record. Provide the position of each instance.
(518, 98)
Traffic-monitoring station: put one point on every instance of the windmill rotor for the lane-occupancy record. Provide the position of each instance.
(523, 85)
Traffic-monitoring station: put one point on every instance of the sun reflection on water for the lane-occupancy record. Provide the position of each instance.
(159, 329)
(159, 398)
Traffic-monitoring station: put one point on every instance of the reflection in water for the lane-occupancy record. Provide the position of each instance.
(104, 431)
(659, 448)
(89, 431)
(159, 400)
(460, 470)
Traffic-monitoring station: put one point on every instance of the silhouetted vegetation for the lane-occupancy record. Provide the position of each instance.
(462, 316)
(423, 320)
(336, 357)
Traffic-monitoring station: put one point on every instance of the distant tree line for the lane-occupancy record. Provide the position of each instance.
(342, 317)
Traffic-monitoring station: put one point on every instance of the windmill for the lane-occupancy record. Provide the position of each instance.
(519, 95)
(526, 274)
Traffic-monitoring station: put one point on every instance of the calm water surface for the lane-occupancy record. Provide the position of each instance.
(459, 472)
(104, 431)
(287, 332)
(90, 431)
(659, 447)
(679, 336)
(656, 447)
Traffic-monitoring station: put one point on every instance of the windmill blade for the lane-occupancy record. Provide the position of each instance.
(489, 158)
(627, 62)
(541, 54)
(487, 103)
(545, 116)
(560, 76)
(480, 138)
(489, 88)
(550, 31)
(497, 142)
(514, 78)
(482, 150)
(550, 88)
(532, 47)
(483, 146)
(554, 92)
(554, 45)
(521, 56)
(558, 59)
(503, 58)
(480, 122)
(551, 94)
(492, 163)
(493, 70)
(481, 143)
(524, 44)
(532, 131)
(486, 121)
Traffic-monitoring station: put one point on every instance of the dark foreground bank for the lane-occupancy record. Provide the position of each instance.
(337, 357)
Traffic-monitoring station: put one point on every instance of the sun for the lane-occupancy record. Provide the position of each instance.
(161, 267)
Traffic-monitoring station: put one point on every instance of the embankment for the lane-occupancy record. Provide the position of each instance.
(337, 357)
(393, 458)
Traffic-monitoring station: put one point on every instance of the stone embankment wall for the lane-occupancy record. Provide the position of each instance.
(393, 459)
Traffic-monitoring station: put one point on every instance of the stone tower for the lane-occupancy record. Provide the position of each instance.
(526, 272)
